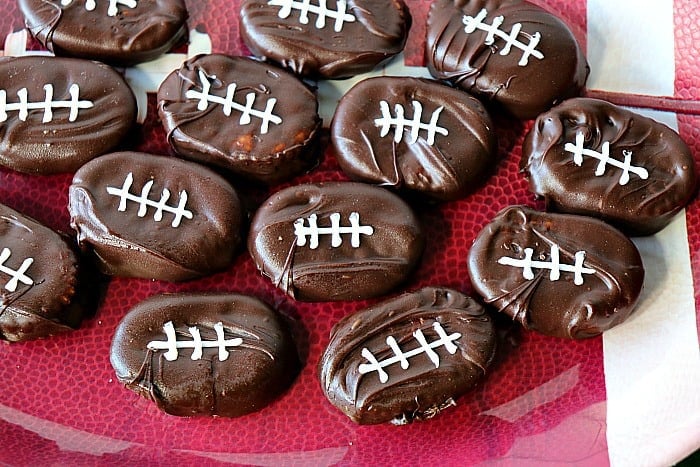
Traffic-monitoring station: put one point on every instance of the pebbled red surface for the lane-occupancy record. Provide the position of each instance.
(687, 17)
(61, 404)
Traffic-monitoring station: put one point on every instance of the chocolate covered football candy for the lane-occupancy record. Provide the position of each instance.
(508, 52)
(407, 358)
(560, 274)
(155, 217)
(335, 241)
(198, 354)
(118, 32)
(254, 119)
(38, 280)
(325, 38)
(414, 134)
(58, 113)
(588, 156)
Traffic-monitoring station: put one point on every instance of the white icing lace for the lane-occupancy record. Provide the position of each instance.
(414, 124)
(312, 231)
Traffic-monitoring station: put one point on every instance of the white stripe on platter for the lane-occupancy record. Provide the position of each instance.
(652, 362)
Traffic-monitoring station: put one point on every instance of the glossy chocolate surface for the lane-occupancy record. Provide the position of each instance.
(526, 75)
(113, 32)
(155, 217)
(91, 110)
(592, 286)
(414, 134)
(588, 156)
(38, 282)
(375, 244)
(226, 355)
(341, 39)
(444, 342)
(252, 142)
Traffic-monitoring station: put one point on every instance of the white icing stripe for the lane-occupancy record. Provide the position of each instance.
(415, 125)
(161, 206)
(474, 23)
(401, 357)
(172, 344)
(228, 104)
(652, 361)
(626, 166)
(47, 105)
(554, 265)
(16, 276)
(340, 16)
(112, 9)
(313, 231)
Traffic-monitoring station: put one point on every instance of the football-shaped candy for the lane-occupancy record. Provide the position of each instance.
(407, 358)
(508, 52)
(414, 134)
(38, 280)
(335, 241)
(199, 354)
(560, 274)
(58, 113)
(118, 32)
(588, 156)
(254, 119)
(325, 38)
(155, 217)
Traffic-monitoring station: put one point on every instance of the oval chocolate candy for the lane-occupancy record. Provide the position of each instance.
(591, 157)
(38, 280)
(196, 354)
(118, 32)
(58, 113)
(560, 274)
(155, 217)
(415, 134)
(325, 38)
(254, 119)
(509, 52)
(335, 241)
(407, 358)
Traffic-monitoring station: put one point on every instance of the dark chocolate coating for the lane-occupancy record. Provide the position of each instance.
(465, 60)
(253, 374)
(422, 390)
(382, 260)
(133, 242)
(41, 303)
(132, 35)
(610, 285)
(377, 32)
(442, 166)
(34, 145)
(286, 148)
(660, 183)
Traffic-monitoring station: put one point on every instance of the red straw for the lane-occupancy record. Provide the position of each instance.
(663, 103)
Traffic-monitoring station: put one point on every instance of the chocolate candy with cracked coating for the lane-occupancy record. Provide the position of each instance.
(414, 134)
(155, 217)
(330, 39)
(591, 157)
(205, 354)
(121, 33)
(508, 52)
(335, 241)
(407, 358)
(39, 280)
(58, 113)
(254, 119)
(560, 274)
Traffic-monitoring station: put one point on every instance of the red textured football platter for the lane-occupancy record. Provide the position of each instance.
(544, 399)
